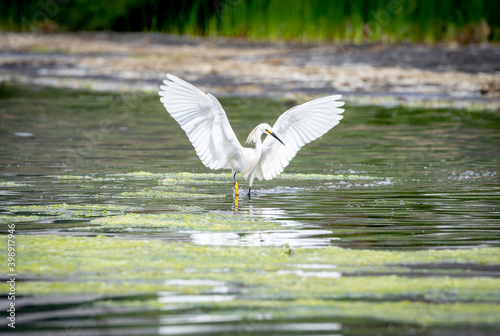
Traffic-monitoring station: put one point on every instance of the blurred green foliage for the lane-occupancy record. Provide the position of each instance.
(316, 20)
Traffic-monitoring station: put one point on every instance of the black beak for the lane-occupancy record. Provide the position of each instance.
(276, 137)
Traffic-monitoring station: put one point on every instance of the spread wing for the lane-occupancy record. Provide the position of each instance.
(297, 127)
(203, 119)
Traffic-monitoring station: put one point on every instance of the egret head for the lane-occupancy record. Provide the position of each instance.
(259, 130)
(266, 129)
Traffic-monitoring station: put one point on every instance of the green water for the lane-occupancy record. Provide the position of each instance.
(389, 224)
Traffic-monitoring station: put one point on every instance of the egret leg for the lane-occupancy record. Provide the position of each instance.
(236, 191)
(250, 185)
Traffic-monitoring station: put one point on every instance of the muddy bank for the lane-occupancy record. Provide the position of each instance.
(367, 73)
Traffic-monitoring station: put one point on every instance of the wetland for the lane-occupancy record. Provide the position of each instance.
(387, 225)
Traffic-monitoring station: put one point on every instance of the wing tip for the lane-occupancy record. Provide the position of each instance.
(337, 103)
(171, 77)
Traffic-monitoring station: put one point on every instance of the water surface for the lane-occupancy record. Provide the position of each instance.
(392, 179)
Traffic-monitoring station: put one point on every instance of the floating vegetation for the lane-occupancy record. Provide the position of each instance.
(89, 178)
(159, 193)
(12, 184)
(198, 178)
(171, 185)
(141, 175)
(84, 196)
(4, 218)
(183, 221)
(66, 211)
(265, 278)
(185, 208)
(180, 177)
(60, 254)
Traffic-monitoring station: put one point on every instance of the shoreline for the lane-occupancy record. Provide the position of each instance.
(391, 75)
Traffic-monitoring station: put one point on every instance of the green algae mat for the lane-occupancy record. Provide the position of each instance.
(330, 282)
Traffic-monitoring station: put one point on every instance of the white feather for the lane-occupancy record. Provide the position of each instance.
(201, 116)
(297, 127)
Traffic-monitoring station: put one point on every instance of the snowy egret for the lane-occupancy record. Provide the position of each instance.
(203, 119)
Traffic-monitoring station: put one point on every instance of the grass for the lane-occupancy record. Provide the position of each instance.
(350, 21)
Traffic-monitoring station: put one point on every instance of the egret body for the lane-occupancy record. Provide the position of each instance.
(203, 119)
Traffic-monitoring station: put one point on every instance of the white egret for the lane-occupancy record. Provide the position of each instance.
(203, 119)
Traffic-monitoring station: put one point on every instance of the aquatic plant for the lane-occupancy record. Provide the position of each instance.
(185, 221)
(305, 283)
(71, 210)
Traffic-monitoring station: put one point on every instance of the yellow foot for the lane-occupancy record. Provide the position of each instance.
(236, 203)
(236, 192)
